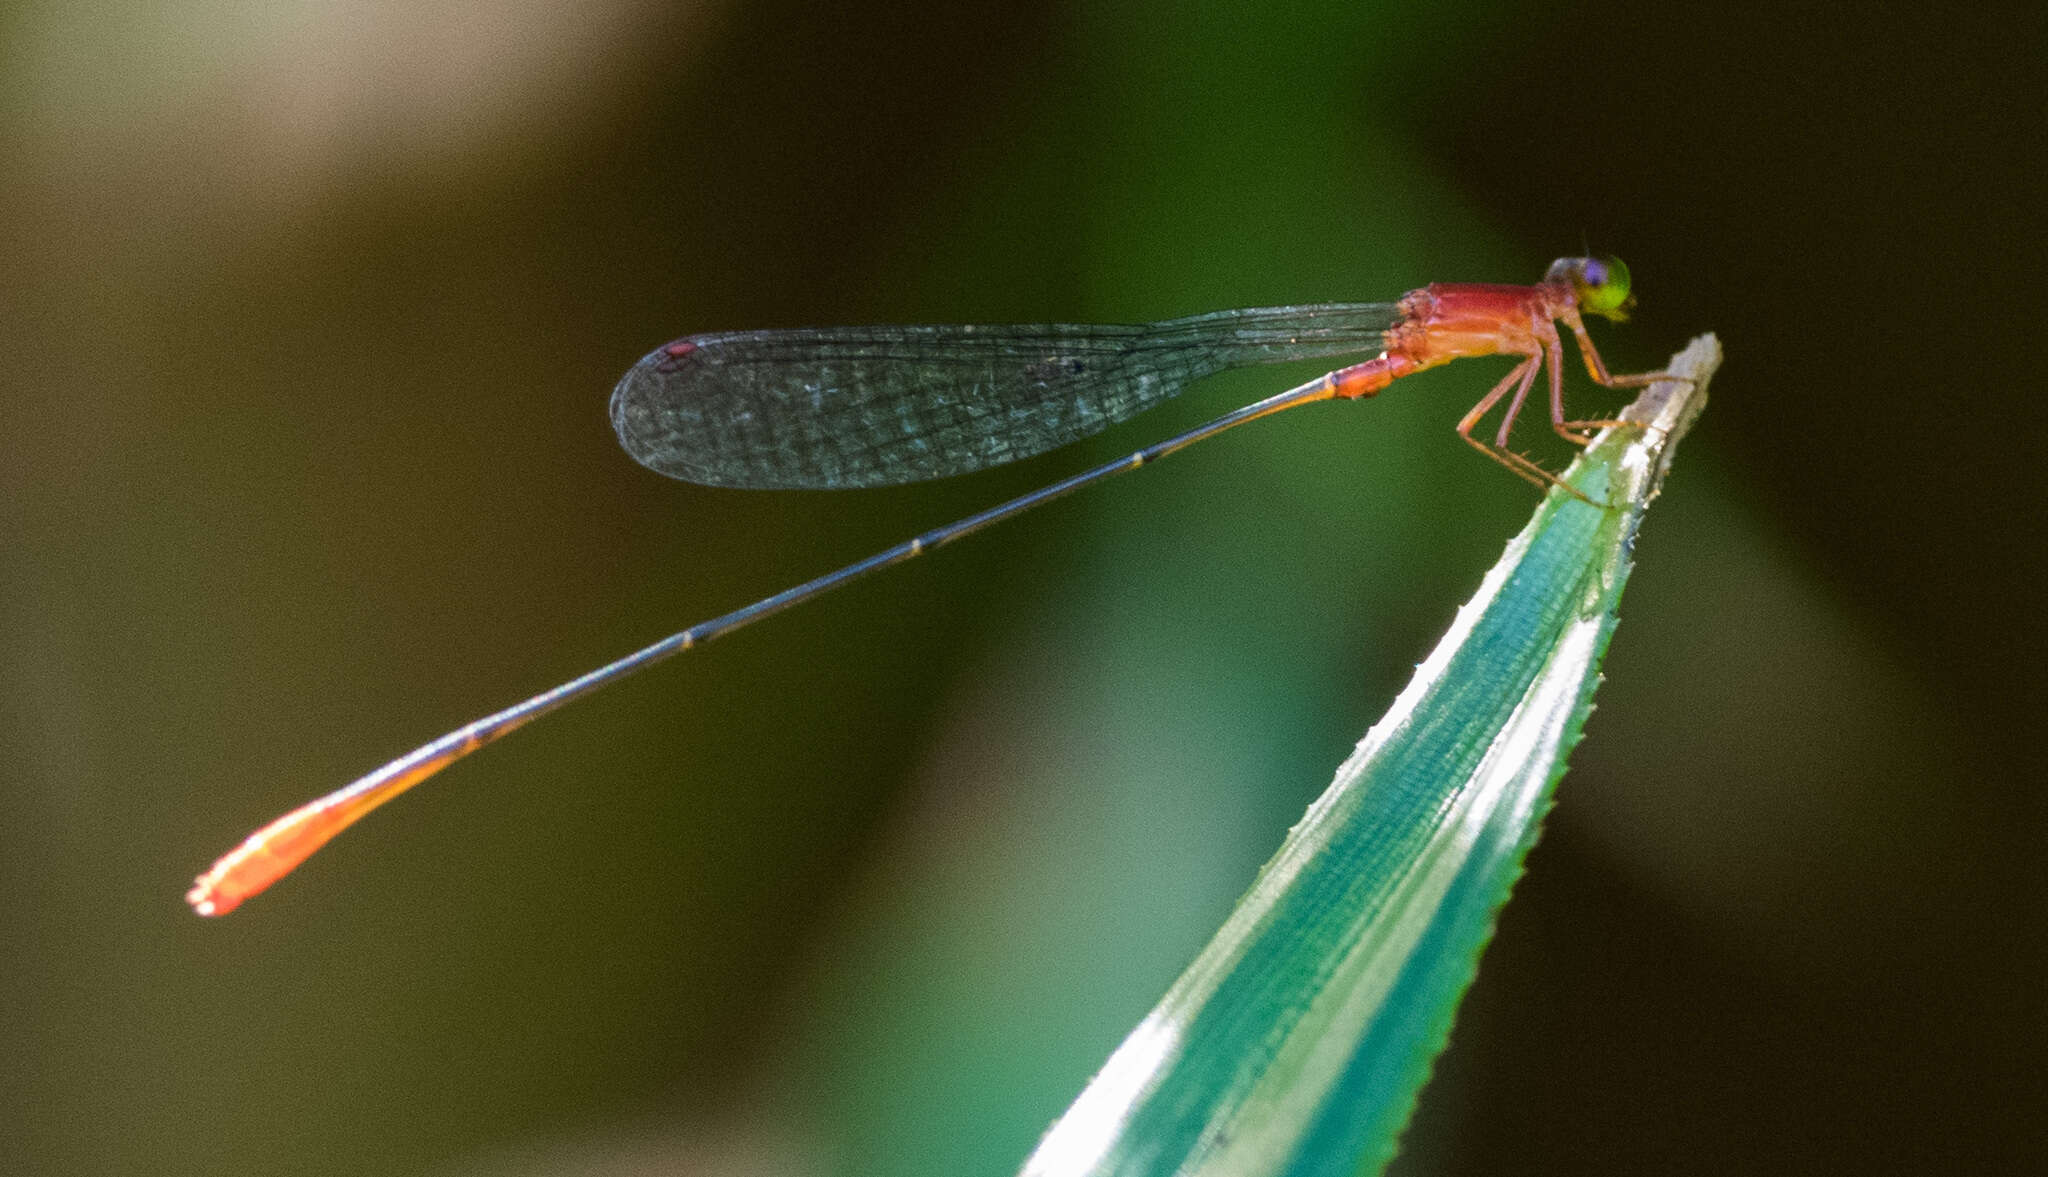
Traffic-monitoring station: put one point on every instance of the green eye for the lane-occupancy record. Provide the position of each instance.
(1603, 286)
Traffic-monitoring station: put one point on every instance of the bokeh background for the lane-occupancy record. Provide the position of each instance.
(308, 316)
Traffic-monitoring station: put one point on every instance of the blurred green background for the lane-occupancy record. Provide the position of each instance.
(308, 316)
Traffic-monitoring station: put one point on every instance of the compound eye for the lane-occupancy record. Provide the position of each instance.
(1603, 286)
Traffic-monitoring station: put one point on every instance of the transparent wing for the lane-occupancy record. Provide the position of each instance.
(875, 406)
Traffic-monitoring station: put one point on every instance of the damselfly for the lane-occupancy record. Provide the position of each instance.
(846, 407)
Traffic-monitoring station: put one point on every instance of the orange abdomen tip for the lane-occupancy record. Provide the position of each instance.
(272, 852)
(263, 858)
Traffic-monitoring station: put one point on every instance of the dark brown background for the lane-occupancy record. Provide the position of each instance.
(307, 320)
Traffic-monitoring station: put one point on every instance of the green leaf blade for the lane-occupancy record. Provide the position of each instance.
(1298, 1040)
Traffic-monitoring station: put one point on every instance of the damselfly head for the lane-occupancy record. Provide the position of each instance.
(1601, 284)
